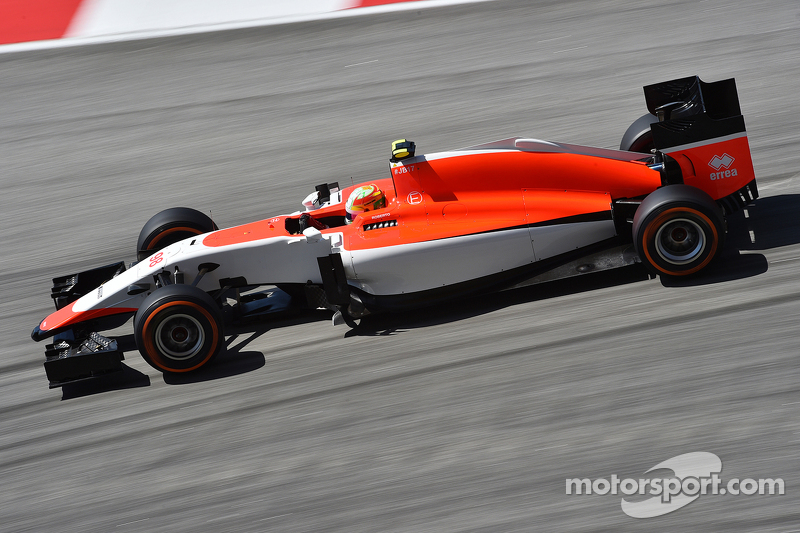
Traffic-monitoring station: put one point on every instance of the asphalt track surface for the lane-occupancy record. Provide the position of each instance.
(466, 417)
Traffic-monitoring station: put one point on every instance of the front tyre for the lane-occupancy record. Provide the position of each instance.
(178, 328)
(678, 230)
(171, 226)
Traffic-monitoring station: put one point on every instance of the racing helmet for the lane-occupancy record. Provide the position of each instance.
(362, 199)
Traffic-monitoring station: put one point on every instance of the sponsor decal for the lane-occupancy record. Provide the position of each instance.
(695, 474)
(414, 198)
(403, 169)
(718, 163)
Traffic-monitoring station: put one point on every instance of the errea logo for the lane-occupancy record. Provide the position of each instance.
(719, 163)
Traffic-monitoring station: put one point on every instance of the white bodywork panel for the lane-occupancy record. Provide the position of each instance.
(541, 146)
(426, 265)
(266, 261)
(389, 270)
(550, 241)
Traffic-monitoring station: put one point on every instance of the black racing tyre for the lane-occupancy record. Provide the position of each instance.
(643, 144)
(178, 328)
(678, 230)
(170, 226)
(638, 137)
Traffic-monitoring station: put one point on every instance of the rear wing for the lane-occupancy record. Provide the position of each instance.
(701, 126)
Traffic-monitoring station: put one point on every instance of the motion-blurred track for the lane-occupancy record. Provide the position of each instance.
(460, 418)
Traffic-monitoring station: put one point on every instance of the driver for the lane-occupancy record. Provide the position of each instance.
(362, 199)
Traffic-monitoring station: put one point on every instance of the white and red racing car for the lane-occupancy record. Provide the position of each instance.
(444, 225)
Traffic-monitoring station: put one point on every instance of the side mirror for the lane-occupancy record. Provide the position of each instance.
(311, 202)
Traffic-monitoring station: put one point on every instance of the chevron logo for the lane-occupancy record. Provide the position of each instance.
(721, 162)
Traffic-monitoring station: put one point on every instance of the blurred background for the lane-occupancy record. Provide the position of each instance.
(458, 418)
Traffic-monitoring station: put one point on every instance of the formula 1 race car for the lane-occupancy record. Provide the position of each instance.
(504, 214)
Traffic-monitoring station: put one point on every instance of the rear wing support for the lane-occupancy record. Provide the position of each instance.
(702, 128)
(690, 110)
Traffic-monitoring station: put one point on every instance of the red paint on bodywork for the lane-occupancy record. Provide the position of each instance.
(372, 3)
(471, 193)
(67, 316)
(720, 168)
(35, 20)
(254, 231)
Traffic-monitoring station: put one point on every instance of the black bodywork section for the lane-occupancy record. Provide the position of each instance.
(68, 359)
(739, 199)
(690, 110)
(334, 279)
(79, 353)
(67, 289)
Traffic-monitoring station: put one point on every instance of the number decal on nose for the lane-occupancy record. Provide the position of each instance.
(156, 259)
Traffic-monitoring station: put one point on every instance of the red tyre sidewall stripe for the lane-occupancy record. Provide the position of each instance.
(170, 231)
(656, 223)
(150, 347)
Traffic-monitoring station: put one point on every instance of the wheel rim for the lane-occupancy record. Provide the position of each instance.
(680, 241)
(179, 337)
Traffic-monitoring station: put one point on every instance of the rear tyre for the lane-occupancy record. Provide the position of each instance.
(638, 137)
(678, 230)
(178, 328)
(643, 144)
(170, 226)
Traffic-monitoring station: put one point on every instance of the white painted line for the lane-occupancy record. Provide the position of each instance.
(262, 500)
(206, 28)
(195, 405)
(177, 431)
(276, 516)
(134, 522)
(15, 374)
(221, 518)
(777, 184)
(387, 369)
(550, 447)
(770, 114)
(364, 63)
(746, 213)
(307, 414)
(555, 39)
(570, 49)
(752, 237)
